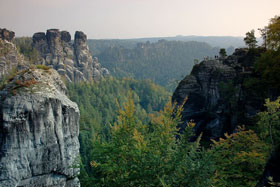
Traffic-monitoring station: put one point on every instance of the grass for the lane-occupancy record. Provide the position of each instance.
(43, 67)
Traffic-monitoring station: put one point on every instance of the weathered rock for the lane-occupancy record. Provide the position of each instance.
(37, 37)
(7, 35)
(9, 57)
(65, 36)
(57, 50)
(217, 101)
(80, 37)
(39, 129)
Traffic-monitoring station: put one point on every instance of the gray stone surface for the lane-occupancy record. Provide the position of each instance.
(9, 56)
(7, 35)
(55, 49)
(213, 112)
(39, 128)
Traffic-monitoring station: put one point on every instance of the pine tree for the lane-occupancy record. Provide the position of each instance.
(250, 39)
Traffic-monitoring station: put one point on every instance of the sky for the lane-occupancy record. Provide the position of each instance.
(104, 19)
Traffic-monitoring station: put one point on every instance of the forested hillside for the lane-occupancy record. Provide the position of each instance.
(99, 104)
(98, 46)
(163, 62)
(153, 153)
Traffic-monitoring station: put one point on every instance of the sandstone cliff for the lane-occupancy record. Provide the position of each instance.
(39, 129)
(217, 98)
(9, 56)
(71, 60)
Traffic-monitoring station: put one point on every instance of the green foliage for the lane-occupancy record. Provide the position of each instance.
(24, 46)
(156, 155)
(137, 151)
(222, 53)
(43, 67)
(269, 123)
(163, 62)
(250, 39)
(97, 104)
(150, 155)
(268, 67)
(273, 34)
(240, 159)
(97, 100)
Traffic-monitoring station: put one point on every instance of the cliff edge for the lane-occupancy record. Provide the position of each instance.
(218, 99)
(39, 128)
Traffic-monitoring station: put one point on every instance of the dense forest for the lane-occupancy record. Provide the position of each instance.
(164, 62)
(99, 103)
(98, 46)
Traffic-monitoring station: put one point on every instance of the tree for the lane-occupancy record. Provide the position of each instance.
(195, 61)
(273, 33)
(263, 32)
(223, 53)
(250, 39)
(240, 159)
(269, 123)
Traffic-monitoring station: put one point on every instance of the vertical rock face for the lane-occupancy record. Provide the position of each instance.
(39, 129)
(9, 56)
(73, 61)
(202, 90)
(217, 100)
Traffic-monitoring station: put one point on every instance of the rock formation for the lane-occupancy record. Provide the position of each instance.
(73, 61)
(217, 99)
(39, 129)
(9, 56)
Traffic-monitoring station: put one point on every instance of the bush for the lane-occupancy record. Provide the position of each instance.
(240, 159)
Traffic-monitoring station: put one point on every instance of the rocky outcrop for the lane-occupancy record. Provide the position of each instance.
(73, 61)
(6, 35)
(9, 56)
(39, 129)
(217, 98)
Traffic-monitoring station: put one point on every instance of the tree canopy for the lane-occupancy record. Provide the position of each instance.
(250, 39)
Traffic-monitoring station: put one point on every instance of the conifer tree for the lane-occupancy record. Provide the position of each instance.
(250, 39)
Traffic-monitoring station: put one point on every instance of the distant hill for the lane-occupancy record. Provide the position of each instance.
(97, 46)
(164, 62)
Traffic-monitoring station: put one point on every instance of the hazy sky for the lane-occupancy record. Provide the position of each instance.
(138, 18)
